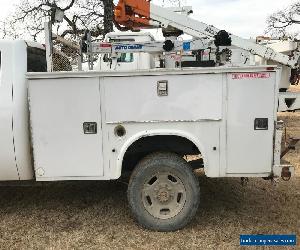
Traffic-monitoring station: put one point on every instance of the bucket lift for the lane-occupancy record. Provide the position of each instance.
(143, 14)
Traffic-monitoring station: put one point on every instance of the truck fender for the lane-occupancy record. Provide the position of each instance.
(157, 132)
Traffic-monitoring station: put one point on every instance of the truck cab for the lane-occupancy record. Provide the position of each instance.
(127, 61)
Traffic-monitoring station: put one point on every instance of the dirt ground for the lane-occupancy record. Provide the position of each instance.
(95, 215)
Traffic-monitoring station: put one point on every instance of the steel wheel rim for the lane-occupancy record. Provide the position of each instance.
(164, 195)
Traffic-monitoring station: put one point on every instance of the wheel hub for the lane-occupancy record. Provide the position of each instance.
(163, 195)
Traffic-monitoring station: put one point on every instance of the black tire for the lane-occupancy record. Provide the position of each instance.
(163, 165)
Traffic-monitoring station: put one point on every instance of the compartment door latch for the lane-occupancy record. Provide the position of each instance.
(90, 128)
(261, 124)
(162, 88)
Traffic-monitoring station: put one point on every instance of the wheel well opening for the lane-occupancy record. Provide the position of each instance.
(161, 143)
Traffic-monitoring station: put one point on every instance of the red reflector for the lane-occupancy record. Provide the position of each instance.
(105, 45)
(270, 68)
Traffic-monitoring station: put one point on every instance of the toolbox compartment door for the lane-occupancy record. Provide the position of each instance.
(66, 128)
(250, 122)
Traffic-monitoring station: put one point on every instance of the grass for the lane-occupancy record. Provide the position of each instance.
(95, 215)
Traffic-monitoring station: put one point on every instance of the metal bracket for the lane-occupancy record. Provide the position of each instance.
(291, 146)
(284, 171)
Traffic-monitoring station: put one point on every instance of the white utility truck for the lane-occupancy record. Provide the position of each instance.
(60, 126)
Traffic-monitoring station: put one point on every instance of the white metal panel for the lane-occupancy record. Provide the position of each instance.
(204, 134)
(250, 96)
(20, 111)
(190, 98)
(58, 108)
(8, 169)
(153, 72)
(282, 46)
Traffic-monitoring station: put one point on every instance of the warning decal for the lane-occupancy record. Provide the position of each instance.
(239, 76)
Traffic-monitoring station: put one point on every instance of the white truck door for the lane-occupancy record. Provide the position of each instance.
(250, 122)
(66, 128)
(8, 166)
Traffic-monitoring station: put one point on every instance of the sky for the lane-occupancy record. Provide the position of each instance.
(7, 7)
(246, 18)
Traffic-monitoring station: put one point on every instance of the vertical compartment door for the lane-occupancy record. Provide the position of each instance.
(66, 128)
(250, 122)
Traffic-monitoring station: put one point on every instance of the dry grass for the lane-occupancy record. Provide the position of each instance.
(95, 215)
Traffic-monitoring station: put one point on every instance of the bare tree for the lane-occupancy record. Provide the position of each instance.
(280, 22)
(79, 15)
(29, 16)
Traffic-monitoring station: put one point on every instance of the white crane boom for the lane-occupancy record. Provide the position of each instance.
(143, 14)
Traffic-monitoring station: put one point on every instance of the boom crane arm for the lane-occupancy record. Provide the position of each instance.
(142, 14)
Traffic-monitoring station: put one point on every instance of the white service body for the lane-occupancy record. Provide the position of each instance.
(212, 108)
(203, 106)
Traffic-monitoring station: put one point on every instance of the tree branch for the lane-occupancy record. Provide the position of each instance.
(69, 6)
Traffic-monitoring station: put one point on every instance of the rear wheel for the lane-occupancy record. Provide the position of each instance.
(163, 192)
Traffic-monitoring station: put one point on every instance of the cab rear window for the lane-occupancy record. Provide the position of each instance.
(36, 60)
